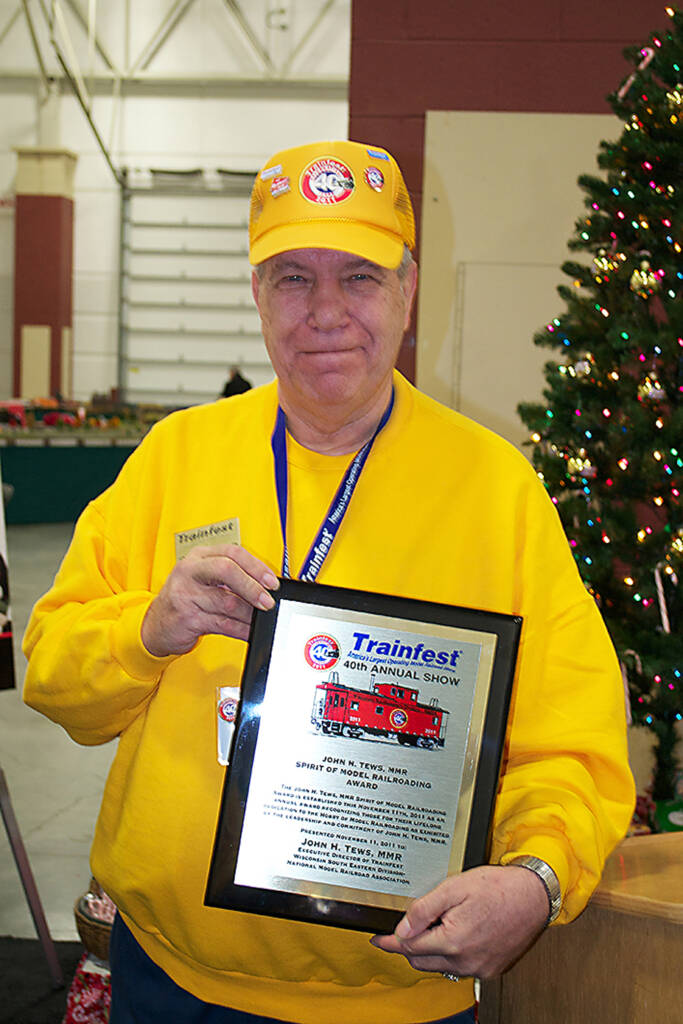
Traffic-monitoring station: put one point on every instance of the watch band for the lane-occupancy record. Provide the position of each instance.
(549, 879)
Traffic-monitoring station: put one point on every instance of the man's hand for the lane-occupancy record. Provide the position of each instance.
(211, 590)
(475, 924)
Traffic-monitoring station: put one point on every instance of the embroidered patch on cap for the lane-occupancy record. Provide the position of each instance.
(374, 178)
(327, 181)
(377, 154)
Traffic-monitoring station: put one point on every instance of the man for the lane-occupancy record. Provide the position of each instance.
(132, 642)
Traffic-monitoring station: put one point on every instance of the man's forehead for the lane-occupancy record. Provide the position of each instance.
(305, 258)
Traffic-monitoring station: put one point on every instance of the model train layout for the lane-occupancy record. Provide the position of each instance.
(387, 710)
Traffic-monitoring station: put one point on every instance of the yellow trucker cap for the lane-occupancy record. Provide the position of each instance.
(339, 195)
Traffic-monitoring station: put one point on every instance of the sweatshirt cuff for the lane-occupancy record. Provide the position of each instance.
(549, 850)
(128, 648)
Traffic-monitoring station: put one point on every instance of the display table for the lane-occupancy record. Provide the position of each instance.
(55, 476)
(619, 962)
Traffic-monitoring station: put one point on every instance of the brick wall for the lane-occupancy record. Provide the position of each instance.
(410, 56)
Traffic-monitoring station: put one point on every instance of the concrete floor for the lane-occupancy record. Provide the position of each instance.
(55, 785)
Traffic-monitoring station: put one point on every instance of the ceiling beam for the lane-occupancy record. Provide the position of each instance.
(257, 46)
(170, 22)
(315, 23)
(87, 27)
(13, 17)
(153, 83)
(36, 47)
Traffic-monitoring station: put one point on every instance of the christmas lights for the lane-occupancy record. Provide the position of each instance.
(617, 404)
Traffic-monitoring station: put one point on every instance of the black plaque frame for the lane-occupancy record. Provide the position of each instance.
(221, 890)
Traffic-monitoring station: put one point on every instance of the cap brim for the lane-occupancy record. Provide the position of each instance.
(381, 247)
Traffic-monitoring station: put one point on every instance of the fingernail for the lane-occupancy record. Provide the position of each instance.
(271, 581)
(265, 601)
(403, 929)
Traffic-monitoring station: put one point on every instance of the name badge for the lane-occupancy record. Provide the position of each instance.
(225, 532)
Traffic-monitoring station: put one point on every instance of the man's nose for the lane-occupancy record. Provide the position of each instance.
(328, 307)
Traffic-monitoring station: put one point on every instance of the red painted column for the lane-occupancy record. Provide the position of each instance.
(43, 270)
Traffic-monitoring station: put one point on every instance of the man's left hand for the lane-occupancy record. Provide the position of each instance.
(474, 924)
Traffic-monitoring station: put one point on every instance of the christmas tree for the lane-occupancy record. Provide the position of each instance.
(608, 442)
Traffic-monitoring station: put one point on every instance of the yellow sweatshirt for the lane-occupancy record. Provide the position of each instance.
(444, 511)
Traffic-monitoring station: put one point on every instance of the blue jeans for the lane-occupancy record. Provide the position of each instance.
(141, 993)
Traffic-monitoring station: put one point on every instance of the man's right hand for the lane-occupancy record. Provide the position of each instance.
(211, 590)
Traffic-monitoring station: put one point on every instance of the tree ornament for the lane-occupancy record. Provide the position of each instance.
(663, 610)
(644, 281)
(652, 389)
(675, 98)
(647, 53)
(602, 263)
(580, 465)
(583, 367)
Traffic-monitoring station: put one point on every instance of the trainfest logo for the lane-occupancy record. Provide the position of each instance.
(398, 718)
(321, 651)
(227, 709)
(327, 181)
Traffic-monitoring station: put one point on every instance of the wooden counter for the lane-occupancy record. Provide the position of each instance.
(620, 962)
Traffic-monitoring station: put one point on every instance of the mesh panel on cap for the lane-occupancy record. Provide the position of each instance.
(255, 207)
(404, 210)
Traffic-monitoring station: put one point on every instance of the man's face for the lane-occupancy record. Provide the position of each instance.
(332, 324)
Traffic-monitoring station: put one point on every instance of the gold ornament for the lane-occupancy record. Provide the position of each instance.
(602, 263)
(644, 282)
(651, 388)
(579, 465)
(675, 97)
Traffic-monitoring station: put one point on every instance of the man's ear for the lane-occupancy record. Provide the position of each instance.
(255, 284)
(409, 286)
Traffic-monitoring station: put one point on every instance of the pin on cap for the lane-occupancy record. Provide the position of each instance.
(338, 198)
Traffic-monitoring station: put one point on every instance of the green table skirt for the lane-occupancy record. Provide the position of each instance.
(53, 484)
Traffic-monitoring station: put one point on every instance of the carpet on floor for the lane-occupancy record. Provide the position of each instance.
(28, 996)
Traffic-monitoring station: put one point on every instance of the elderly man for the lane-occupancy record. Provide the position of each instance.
(132, 641)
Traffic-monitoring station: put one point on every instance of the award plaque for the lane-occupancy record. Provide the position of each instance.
(365, 757)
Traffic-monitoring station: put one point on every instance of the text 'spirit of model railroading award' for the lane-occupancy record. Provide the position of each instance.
(366, 755)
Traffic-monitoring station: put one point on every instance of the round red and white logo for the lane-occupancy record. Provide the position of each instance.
(374, 178)
(327, 181)
(321, 651)
(398, 718)
(227, 709)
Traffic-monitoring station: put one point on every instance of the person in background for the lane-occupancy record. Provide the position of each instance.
(236, 384)
(131, 642)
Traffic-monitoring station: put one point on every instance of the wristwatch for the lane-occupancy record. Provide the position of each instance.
(549, 879)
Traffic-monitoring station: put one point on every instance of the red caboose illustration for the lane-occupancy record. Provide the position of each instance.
(388, 709)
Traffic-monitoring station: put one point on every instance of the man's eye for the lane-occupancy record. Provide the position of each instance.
(292, 278)
(361, 277)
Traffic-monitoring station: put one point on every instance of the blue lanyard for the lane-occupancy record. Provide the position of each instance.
(337, 510)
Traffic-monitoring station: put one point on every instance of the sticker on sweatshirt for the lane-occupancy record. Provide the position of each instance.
(227, 703)
(227, 531)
